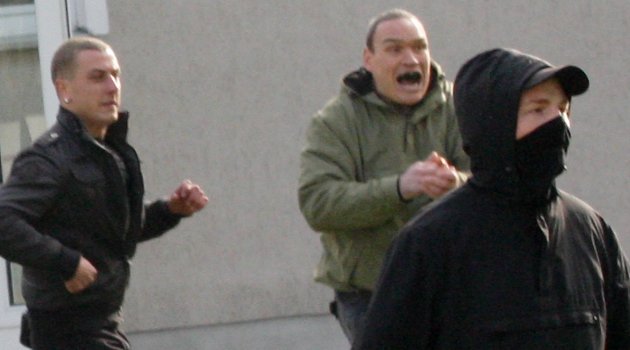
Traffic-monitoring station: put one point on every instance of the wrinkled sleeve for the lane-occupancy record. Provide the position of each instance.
(618, 299)
(400, 312)
(157, 220)
(331, 194)
(30, 191)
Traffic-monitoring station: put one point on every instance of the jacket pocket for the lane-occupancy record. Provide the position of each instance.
(87, 173)
(584, 329)
(543, 321)
(88, 187)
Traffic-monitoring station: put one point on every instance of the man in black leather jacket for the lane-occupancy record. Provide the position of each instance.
(72, 210)
(508, 261)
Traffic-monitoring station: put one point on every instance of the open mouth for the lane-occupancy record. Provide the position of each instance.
(409, 78)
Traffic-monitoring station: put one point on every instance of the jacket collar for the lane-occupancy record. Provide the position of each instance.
(117, 132)
(360, 83)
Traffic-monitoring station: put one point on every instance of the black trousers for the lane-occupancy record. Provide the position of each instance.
(46, 330)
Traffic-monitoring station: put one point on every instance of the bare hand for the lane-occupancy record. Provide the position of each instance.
(187, 199)
(83, 277)
(433, 177)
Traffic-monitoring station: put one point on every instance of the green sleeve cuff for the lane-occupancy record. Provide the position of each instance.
(391, 189)
(400, 196)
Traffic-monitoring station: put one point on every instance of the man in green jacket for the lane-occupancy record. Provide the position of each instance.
(375, 155)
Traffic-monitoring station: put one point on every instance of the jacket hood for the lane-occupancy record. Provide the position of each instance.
(487, 92)
(360, 84)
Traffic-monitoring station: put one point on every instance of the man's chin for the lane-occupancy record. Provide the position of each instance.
(110, 118)
(409, 99)
(410, 95)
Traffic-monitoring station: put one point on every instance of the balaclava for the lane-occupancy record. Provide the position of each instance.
(540, 157)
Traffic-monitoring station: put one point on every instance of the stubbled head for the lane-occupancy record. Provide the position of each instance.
(64, 61)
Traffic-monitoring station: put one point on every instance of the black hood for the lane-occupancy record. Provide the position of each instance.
(360, 81)
(487, 93)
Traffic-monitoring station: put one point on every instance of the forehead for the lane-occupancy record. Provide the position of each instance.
(547, 90)
(88, 60)
(399, 29)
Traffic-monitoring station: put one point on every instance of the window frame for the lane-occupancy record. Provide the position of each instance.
(51, 29)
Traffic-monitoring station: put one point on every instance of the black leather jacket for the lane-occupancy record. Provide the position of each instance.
(66, 197)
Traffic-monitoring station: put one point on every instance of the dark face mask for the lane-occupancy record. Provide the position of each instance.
(540, 157)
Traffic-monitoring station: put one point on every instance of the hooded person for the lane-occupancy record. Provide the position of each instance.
(508, 261)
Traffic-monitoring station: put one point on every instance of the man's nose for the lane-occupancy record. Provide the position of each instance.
(113, 83)
(410, 57)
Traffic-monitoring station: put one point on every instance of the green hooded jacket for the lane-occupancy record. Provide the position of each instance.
(356, 148)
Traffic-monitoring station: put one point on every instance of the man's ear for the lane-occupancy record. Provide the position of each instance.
(61, 87)
(367, 59)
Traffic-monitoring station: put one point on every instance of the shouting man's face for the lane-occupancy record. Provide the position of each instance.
(400, 61)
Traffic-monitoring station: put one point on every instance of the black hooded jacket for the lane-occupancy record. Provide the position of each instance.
(491, 266)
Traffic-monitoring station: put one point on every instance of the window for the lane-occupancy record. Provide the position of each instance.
(17, 24)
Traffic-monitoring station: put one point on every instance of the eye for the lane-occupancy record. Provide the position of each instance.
(98, 76)
(419, 47)
(393, 48)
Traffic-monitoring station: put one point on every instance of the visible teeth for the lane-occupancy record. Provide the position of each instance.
(410, 77)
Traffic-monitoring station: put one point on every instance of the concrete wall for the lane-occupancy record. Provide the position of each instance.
(294, 333)
(221, 92)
